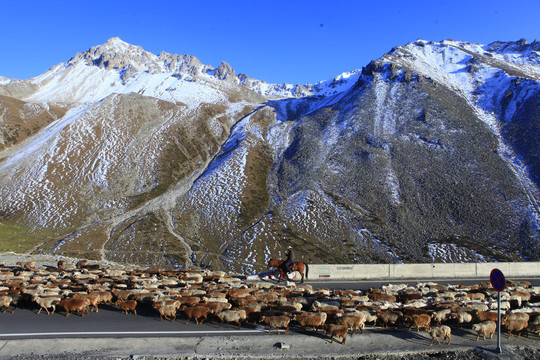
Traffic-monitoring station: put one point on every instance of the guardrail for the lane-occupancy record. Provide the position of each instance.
(414, 271)
(421, 271)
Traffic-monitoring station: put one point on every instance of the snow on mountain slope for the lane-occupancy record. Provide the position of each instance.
(97, 158)
(80, 83)
(465, 67)
(484, 75)
(119, 67)
(162, 151)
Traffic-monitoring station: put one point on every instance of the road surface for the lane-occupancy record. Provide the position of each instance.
(109, 321)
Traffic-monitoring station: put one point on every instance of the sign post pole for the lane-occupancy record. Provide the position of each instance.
(499, 283)
(499, 349)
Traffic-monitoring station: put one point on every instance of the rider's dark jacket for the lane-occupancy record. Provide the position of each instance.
(290, 259)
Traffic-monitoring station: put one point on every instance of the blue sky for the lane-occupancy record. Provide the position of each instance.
(276, 41)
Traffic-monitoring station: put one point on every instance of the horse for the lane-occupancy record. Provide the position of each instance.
(299, 266)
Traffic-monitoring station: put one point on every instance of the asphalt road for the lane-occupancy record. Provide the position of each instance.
(109, 334)
(111, 322)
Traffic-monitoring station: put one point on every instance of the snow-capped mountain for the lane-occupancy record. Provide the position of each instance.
(427, 154)
(119, 67)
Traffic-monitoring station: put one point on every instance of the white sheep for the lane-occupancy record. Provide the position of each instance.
(440, 316)
(236, 316)
(5, 303)
(440, 331)
(485, 328)
(46, 302)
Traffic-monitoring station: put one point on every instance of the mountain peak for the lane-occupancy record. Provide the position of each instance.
(116, 40)
(116, 54)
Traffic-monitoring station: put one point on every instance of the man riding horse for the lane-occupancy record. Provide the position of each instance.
(289, 265)
(289, 261)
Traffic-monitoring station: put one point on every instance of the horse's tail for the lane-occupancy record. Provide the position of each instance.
(307, 270)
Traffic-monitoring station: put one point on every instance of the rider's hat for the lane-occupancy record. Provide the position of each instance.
(290, 247)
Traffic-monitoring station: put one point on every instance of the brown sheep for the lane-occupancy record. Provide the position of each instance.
(276, 322)
(105, 297)
(28, 265)
(516, 316)
(418, 321)
(195, 312)
(74, 305)
(93, 298)
(481, 316)
(388, 317)
(524, 295)
(336, 331)
(440, 331)
(314, 320)
(382, 297)
(214, 307)
(82, 263)
(127, 305)
(355, 321)
(514, 324)
(189, 300)
(237, 292)
(121, 294)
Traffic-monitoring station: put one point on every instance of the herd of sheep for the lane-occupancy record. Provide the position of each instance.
(204, 295)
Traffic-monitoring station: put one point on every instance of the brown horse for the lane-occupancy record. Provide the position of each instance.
(299, 266)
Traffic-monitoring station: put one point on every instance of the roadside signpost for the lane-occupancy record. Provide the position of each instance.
(499, 283)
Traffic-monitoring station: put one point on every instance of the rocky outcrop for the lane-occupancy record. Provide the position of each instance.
(225, 72)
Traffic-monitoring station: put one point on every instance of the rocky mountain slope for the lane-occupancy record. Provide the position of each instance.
(427, 154)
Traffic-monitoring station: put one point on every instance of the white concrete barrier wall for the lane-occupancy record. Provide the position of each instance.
(421, 271)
